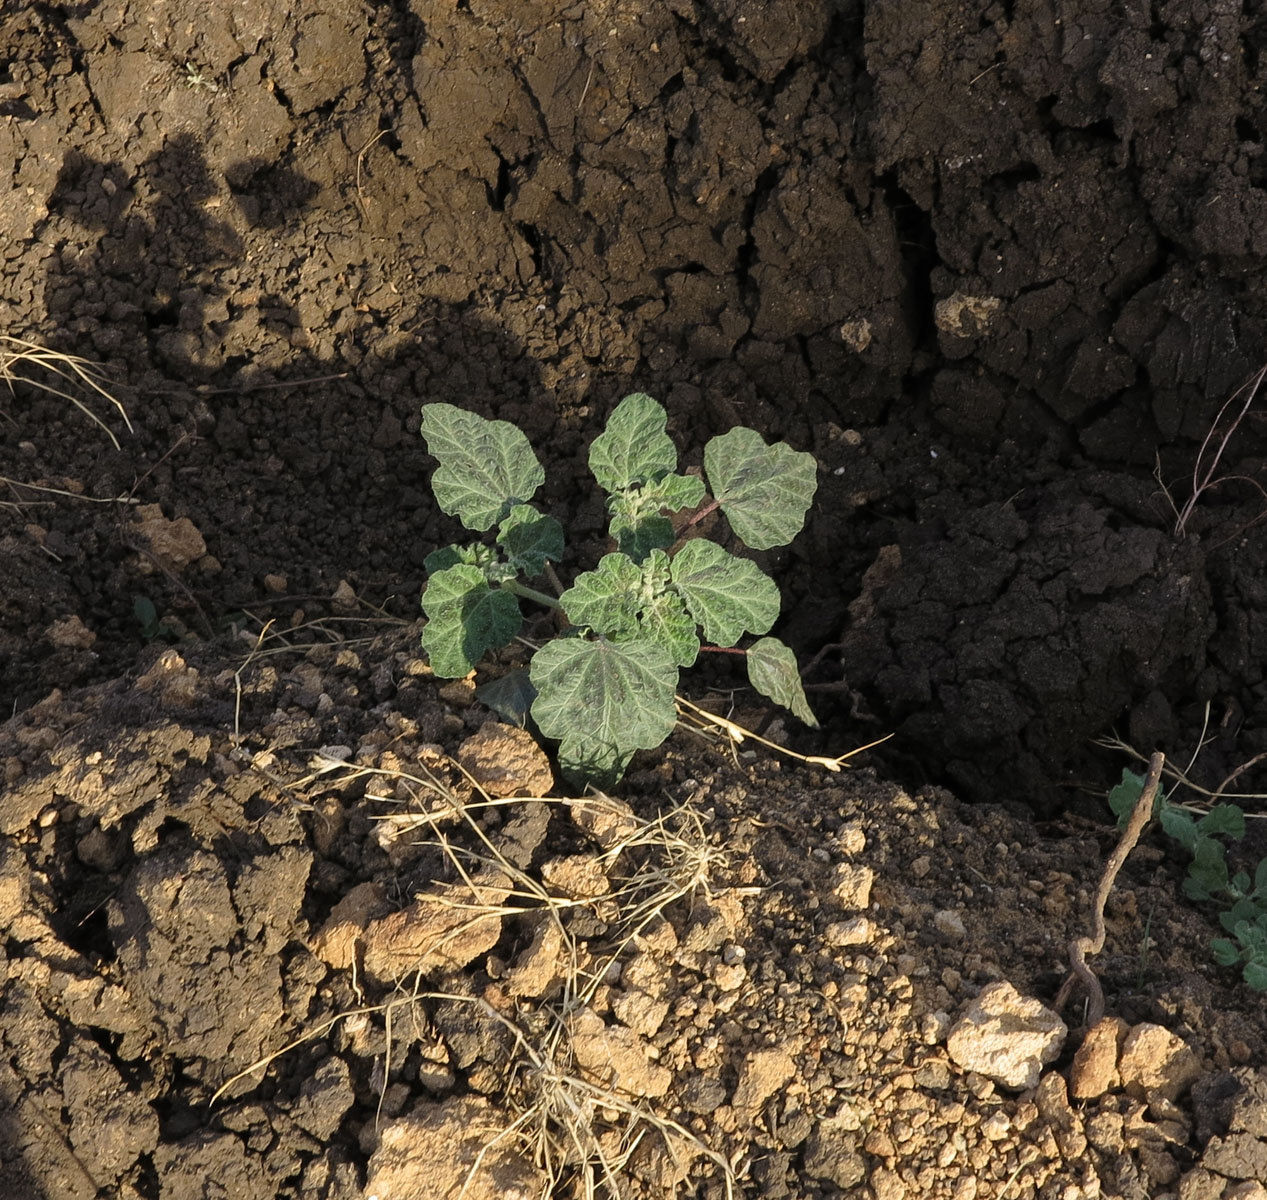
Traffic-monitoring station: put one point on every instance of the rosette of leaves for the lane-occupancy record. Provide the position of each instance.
(604, 688)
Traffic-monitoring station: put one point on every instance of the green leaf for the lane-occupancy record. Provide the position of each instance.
(465, 619)
(530, 539)
(608, 598)
(603, 700)
(510, 696)
(486, 467)
(1225, 819)
(1123, 796)
(1207, 873)
(638, 524)
(638, 535)
(773, 671)
(1241, 912)
(1255, 974)
(727, 595)
(674, 492)
(662, 617)
(1179, 825)
(1226, 953)
(764, 491)
(452, 556)
(1260, 881)
(634, 447)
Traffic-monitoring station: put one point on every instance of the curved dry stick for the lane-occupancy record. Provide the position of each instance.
(1080, 947)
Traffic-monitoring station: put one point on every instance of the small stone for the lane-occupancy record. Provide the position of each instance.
(1052, 1100)
(1250, 1189)
(996, 1126)
(175, 544)
(1154, 1060)
(538, 971)
(506, 761)
(577, 876)
(729, 979)
(763, 1074)
(607, 820)
(70, 633)
(614, 1056)
(335, 943)
(1006, 1037)
(442, 930)
(642, 1013)
(851, 838)
(1095, 1064)
(949, 923)
(856, 931)
(1238, 1156)
(887, 1185)
(852, 885)
(880, 1144)
(344, 597)
(831, 1153)
(276, 584)
(449, 1148)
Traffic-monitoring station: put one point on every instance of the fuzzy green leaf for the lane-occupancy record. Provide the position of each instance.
(530, 539)
(452, 556)
(634, 447)
(1242, 911)
(1225, 952)
(662, 616)
(637, 536)
(1123, 795)
(764, 491)
(603, 700)
(1260, 881)
(465, 619)
(510, 696)
(1179, 825)
(727, 595)
(1223, 819)
(1255, 974)
(674, 492)
(486, 467)
(638, 524)
(606, 599)
(773, 671)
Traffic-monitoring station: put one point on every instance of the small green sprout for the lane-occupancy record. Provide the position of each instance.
(1209, 878)
(605, 686)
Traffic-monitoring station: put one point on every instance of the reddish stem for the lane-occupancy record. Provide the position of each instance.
(711, 507)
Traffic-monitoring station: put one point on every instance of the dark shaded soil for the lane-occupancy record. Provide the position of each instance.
(998, 267)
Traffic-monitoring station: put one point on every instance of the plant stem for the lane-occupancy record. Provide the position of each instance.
(708, 508)
(522, 589)
(723, 650)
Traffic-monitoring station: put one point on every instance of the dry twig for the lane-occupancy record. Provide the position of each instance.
(23, 362)
(1080, 947)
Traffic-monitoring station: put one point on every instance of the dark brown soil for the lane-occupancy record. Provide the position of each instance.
(997, 266)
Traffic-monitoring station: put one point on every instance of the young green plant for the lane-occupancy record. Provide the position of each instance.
(1244, 901)
(604, 687)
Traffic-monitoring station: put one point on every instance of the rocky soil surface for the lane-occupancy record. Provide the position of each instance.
(996, 266)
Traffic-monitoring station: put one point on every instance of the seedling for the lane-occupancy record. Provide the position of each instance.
(1209, 879)
(146, 616)
(604, 687)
